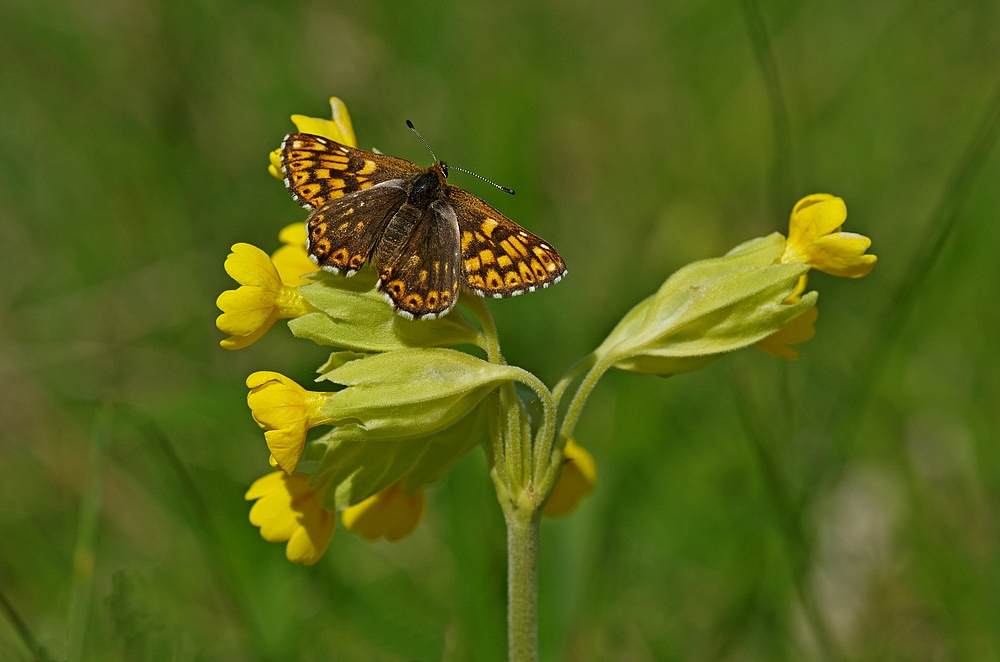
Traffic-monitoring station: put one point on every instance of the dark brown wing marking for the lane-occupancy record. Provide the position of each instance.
(500, 258)
(342, 233)
(418, 261)
(318, 170)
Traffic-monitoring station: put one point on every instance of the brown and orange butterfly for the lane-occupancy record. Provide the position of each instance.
(426, 237)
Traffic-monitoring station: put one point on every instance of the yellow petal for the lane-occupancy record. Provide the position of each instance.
(286, 411)
(816, 215)
(248, 265)
(264, 485)
(261, 377)
(274, 167)
(800, 287)
(339, 128)
(308, 544)
(390, 514)
(799, 330)
(286, 445)
(842, 254)
(294, 233)
(289, 509)
(245, 310)
(578, 478)
(239, 342)
(292, 262)
(274, 516)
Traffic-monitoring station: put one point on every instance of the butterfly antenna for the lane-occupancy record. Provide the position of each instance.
(414, 129)
(505, 189)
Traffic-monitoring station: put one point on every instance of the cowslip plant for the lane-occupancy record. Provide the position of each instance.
(401, 401)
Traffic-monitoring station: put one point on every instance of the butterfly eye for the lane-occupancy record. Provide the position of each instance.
(444, 169)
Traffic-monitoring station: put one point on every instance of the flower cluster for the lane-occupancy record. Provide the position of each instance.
(405, 404)
(407, 407)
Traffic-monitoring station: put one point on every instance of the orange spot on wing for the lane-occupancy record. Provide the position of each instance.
(526, 274)
(488, 226)
(516, 243)
(466, 240)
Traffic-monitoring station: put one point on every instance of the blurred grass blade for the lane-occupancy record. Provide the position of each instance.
(25, 634)
(940, 228)
(84, 554)
(789, 514)
(197, 512)
(782, 185)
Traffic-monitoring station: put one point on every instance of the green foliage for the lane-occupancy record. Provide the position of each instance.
(143, 633)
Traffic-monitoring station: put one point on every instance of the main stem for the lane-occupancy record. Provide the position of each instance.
(522, 583)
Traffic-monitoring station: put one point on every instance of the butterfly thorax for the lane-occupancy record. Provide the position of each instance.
(429, 185)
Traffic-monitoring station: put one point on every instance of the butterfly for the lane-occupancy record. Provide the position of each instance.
(425, 237)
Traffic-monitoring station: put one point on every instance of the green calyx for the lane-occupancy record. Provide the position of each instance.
(409, 393)
(708, 308)
(358, 468)
(354, 315)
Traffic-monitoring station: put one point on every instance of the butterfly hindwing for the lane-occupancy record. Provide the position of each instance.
(343, 232)
(418, 260)
(500, 258)
(318, 170)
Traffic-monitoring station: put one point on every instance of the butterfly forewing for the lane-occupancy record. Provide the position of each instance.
(318, 170)
(418, 260)
(342, 233)
(499, 257)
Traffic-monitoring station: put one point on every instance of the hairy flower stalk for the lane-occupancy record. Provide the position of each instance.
(401, 401)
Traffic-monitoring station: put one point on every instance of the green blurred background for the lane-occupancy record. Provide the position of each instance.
(841, 507)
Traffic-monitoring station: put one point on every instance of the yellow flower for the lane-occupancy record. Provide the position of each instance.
(390, 514)
(797, 331)
(249, 311)
(291, 260)
(288, 508)
(579, 476)
(339, 128)
(814, 238)
(286, 411)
